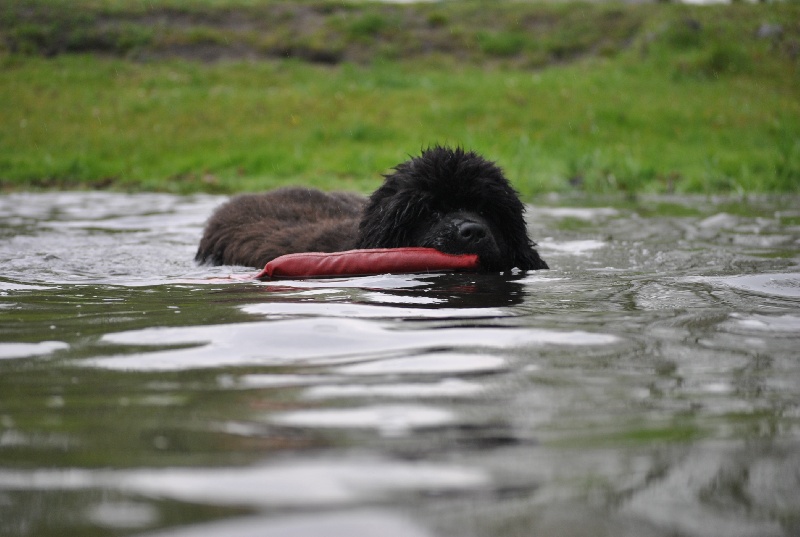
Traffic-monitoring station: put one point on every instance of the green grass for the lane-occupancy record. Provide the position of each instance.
(680, 98)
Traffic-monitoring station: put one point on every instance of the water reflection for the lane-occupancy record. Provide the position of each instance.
(440, 296)
(459, 291)
(646, 386)
(336, 482)
(783, 285)
(325, 341)
(24, 350)
(449, 387)
(352, 523)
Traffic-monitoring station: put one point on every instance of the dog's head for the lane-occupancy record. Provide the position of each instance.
(455, 201)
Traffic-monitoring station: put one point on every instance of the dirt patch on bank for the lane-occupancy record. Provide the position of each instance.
(519, 34)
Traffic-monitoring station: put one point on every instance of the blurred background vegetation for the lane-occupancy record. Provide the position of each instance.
(232, 95)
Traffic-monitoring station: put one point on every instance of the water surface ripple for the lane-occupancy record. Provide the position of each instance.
(647, 385)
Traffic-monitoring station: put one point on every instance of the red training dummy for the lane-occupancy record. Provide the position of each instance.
(365, 262)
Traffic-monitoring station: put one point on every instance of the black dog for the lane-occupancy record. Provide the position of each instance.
(449, 199)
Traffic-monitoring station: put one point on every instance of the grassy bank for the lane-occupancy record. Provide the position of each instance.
(231, 95)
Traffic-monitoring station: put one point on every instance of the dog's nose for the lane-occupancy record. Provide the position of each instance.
(471, 232)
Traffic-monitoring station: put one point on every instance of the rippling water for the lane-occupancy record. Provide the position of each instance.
(647, 385)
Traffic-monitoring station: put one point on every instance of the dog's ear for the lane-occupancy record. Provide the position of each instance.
(502, 206)
(391, 215)
(519, 248)
(527, 258)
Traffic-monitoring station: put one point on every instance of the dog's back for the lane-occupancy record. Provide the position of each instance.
(253, 229)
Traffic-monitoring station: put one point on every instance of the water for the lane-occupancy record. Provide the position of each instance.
(647, 385)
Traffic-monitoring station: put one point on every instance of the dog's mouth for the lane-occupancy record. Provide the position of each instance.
(468, 239)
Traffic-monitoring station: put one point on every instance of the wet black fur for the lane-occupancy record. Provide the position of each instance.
(449, 199)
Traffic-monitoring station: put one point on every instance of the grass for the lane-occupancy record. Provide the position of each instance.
(645, 98)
